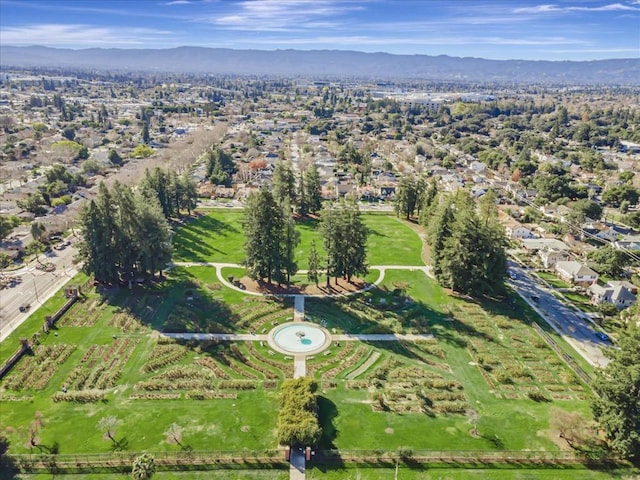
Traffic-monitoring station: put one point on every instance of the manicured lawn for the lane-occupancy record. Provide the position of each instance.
(217, 236)
(553, 280)
(373, 395)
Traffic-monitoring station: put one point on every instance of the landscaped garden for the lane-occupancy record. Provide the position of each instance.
(484, 381)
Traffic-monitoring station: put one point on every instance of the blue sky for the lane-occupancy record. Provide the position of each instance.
(499, 29)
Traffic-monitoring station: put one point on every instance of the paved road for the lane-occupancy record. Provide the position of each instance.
(574, 329)
(33, 287)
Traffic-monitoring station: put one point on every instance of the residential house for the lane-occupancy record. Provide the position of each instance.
(620, 294)
(535, 244)
(551, 256)
(629, 242)
(516, 230)
(576, 273)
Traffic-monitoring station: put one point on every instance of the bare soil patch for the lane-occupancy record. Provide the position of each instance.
(334, 288)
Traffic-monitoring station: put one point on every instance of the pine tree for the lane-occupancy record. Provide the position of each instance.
(291, 238)
(284, 183)
(263, 227)
(314, 264)
(313, 190)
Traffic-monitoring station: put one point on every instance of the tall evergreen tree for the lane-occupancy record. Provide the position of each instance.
(263, 227)
(284, 183)
(290, 239)
(313, 190)
(617, 406)
(314, 264)
(345, 237)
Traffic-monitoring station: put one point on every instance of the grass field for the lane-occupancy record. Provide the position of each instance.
(373, 395)
(217, 237)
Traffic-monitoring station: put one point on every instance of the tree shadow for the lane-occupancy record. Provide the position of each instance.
(327, 413)
(119, 445)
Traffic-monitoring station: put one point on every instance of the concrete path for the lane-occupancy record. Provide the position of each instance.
(299, 366)
(381, 337)
(232, 337)
(297, 465)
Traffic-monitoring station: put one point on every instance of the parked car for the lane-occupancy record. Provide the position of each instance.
(602, 336)
(24, 307)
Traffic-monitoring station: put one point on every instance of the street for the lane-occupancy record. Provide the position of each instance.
(33, 287)
(573, 328)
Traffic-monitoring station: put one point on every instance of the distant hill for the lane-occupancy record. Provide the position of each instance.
(326, 63)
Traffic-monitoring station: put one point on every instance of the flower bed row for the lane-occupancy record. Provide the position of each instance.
(253, 363)
(164, 355)
(85, 396)
(101, 366)
(35, 371)
(212, 366)
(285, 367)
(124, 321)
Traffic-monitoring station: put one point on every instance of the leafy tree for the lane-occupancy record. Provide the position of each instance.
(610, 261)
(626, 177)
(297, 422)
(36, 248)
(7, 224)
(617, 404)
(108, 426)
(145, 133)
(220, 167)
(34, 203)
(142, 151)
(38, 231)
(144, 467)
(588, 208)
(615, 195)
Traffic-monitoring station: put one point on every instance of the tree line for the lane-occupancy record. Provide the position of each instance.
(467, 241)
(125, 235)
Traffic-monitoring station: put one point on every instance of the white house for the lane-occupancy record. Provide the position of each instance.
(576, 273)
(551, 256)
(516, 230)
(620, 294)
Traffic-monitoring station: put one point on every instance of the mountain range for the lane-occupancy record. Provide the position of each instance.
(326, 64)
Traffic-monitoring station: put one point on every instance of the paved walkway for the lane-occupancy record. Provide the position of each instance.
(381, 337)
(299, 366)
(232, 337)
(297, 465)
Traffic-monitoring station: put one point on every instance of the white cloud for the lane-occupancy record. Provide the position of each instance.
(79, 35)
(283, 15)
(178, 2)
(561, 9)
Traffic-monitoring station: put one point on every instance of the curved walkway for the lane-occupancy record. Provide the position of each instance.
(381, 268)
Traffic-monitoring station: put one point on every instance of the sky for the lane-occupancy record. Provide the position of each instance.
(498, 29)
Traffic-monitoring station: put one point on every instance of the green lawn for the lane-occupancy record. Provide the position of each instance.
(217, 237)
(483, 356)
(553, 280)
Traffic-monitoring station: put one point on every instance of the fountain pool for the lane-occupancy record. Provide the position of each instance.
(299, 337)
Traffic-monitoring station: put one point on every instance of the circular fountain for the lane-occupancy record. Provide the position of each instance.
(299, 338)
